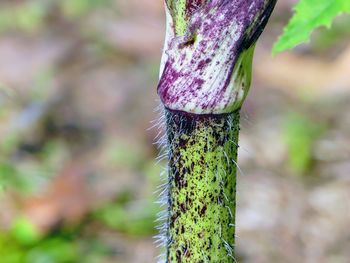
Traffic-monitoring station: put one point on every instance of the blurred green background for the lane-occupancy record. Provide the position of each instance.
(77, 160)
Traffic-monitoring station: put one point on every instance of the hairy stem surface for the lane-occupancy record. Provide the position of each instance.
(202, 179)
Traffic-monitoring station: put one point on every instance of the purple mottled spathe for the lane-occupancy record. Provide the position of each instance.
(198, 67)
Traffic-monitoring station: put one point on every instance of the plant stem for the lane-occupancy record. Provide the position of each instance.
(202, 178)
(205, 76)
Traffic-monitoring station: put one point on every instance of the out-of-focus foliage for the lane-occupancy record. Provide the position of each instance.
(80, 7)
(24, 244)
(29, 176)
(30, 15)
(25, 232)
(27, 17)
(135, 219)
(309, 15)
(300, 134)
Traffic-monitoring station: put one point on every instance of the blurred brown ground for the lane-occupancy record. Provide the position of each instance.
(77, 96)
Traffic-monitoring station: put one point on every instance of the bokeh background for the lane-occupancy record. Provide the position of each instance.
(78, 165)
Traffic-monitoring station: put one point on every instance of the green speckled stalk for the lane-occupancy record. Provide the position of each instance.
(202, 186)
(179, 13)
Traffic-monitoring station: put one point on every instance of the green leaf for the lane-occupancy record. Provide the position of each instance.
(309, 15)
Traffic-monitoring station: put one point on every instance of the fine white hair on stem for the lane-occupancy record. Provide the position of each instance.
(162, 192)
(239, 168)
